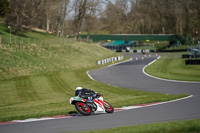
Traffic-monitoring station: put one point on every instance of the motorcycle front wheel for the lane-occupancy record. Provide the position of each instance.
(108, 107)
(83, 109)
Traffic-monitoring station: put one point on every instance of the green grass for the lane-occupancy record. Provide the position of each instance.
(5, 34)
(39, 79)
(177, 47)
(37, 59)
(153, 45)
(172, 66)
(49, 94)
(150, 47)
(190, 126)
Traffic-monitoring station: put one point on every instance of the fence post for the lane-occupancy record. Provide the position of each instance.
(15, 41)
(0, 42)
(20, 45)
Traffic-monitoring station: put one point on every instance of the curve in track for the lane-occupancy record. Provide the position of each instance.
(129, 75)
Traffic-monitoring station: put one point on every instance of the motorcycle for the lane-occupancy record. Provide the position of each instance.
(87, 108)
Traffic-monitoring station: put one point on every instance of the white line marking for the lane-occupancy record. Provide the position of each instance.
(90, 76)
(154, 104)
(40, 119)
(117, 110)
(179, 81)
(174, 100)
(33, 119)
(108, 66)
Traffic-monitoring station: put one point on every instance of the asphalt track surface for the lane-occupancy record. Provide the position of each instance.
(129, 75)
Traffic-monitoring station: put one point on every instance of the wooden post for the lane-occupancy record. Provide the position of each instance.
(20, 44)
(0, 42)
(15, 41)
(10, 44)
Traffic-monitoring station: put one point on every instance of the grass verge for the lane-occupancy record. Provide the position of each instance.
(172, 66)
(191, 126)
(49, 94)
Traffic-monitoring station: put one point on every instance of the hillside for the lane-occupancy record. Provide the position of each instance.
(44, 53)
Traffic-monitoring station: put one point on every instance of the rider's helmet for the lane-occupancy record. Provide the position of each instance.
(79, 88)
(78, 91)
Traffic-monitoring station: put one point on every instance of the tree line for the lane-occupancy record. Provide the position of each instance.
(72, 17)
(153, 16)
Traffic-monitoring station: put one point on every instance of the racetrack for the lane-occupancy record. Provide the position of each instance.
(129, 75)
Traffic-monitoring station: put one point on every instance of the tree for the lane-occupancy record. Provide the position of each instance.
(17, 16)
(4, 7)
(31, 15)
(80, 11)
(91, 20)
(50, 7)
(116, 16)
(62, 12)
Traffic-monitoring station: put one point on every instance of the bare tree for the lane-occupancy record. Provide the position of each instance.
(50, 8)
(66, 10)
(4, 7)
(91, 20)
(80, 11)
(116, 16)
(17, 16)
(31, 15)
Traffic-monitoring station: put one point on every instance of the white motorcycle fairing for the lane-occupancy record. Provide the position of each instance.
(84, 107)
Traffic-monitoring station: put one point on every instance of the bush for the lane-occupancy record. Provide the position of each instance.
(152, 51)
(119, 50)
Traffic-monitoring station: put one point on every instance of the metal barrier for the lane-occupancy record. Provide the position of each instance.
(109, 60)
(192, 62)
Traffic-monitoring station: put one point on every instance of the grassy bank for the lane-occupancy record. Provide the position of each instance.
(49, 94)
(38, 79)
(191, 126)
(25, 36)
(37, 59)
(172, 66)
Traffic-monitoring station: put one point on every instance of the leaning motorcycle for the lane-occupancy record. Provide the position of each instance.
(87, 108)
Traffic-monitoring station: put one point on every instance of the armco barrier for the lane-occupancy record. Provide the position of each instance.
(108, 60)
(192, 62)
(175, 50)
(139, 51)
(186, 56)
(190, 56)
(147, 51)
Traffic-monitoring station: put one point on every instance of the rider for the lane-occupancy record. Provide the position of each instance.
(85, 93)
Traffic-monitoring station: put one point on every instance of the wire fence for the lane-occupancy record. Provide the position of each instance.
(21, 42)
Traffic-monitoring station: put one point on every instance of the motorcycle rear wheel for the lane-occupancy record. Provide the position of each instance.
(108, 107)
(83, 109)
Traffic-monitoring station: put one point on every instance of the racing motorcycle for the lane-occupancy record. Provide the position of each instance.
(87, 108)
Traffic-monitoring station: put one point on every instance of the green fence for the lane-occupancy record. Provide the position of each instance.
(118, 43)
(154, 37)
